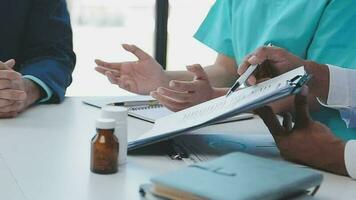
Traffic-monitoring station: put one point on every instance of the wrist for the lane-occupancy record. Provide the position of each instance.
(33, 92)
(165, 79)
(319, 84)
(338, 159)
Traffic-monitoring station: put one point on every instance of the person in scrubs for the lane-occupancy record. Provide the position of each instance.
(321, 30)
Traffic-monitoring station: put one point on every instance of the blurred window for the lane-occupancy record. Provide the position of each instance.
(101, 26)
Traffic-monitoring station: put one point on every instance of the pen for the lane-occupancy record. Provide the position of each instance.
(136, 103)
(243, 78)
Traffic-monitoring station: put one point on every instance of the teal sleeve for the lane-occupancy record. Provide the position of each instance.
(44, 87)
(215, 31)
(334, 41)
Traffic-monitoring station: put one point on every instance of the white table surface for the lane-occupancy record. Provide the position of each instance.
(44, 155)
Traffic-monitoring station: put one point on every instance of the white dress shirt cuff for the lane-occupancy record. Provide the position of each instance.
(350, 158)
(338, 87)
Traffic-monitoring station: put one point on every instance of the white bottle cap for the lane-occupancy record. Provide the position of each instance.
(105, 123)
(114, 112)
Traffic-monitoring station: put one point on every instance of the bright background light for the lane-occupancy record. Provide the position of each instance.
(101, 26)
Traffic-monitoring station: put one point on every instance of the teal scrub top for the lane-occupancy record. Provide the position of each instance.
(320, 30)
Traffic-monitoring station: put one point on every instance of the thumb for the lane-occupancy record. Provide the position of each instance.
(7, 65)
(302, 118)
(198, 71)
(270, 120)
(139, 53)
(10, 63)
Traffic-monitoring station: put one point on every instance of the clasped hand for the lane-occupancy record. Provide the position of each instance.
(12, 91)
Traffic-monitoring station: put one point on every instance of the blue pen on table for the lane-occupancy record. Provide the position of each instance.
(243, 78)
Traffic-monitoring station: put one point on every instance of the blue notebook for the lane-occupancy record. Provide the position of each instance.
(236, 176)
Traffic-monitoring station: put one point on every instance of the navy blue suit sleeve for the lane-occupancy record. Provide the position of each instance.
(47, 48)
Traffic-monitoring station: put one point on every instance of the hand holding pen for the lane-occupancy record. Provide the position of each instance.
(249, 70)
(273, 62)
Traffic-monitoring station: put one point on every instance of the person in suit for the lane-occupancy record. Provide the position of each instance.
(36, 54)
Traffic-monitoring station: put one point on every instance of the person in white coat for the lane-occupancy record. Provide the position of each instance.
(309, 142)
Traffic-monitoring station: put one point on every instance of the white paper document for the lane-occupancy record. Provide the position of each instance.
(223, 107)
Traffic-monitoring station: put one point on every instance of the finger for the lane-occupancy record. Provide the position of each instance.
(16, 95)
(302, 118)
(244, 65)
(3, 66)
(261, 55)
(266, 53)
(270, 119)
(5, 102)
(107, 65)
(8, 115)
(180, 96)
(287, 121)
(103, 70)
(102, 63)
(5, 84)
(169, 103)
(15, 107)
(252, 80)
(139, 53)
(10, 63)
(183, 86)
(263, 80)
(111, 78)
(10, 75)
(198, 71)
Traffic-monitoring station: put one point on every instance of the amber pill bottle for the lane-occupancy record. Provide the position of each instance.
(104, 148)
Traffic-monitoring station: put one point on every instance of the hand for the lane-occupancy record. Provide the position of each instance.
(184, 94)
(307, 142)
(16, 93)
(273, 60)
(141, 77)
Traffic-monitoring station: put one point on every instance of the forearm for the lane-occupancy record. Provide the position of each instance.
(179, 75)
(218, 77)
(221, 74)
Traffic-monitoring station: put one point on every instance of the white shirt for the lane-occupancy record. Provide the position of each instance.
(342, 96)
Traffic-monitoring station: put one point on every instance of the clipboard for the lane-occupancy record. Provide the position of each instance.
(221, 108)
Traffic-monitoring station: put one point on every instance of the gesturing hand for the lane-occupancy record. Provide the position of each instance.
(141, 76)
(183, 94)
(16, 93)
(307, 142)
